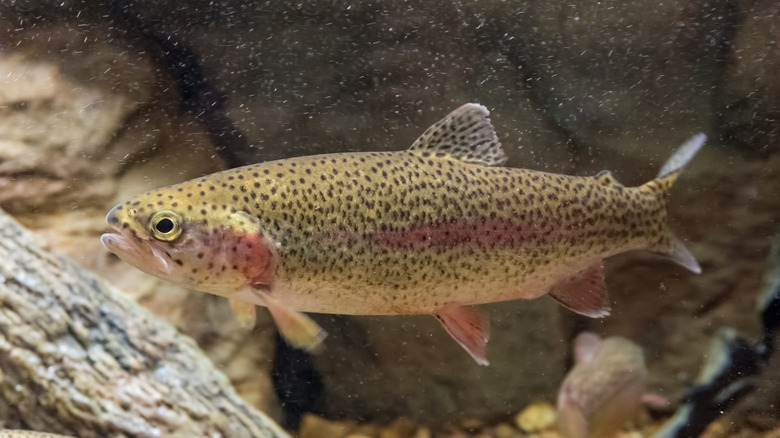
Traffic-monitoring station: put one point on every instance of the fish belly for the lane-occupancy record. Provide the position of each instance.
(383, 291)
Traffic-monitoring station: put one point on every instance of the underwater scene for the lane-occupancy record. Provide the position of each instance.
(389, 219)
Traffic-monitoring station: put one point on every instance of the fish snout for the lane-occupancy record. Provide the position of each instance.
(108, 240)
(112, 218)
(123, 246)
(117, 219)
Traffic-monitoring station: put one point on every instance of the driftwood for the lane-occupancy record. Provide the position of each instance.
(28, 434)
(78, 357)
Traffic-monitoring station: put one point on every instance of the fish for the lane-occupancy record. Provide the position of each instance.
(604, 389)
(435, 229)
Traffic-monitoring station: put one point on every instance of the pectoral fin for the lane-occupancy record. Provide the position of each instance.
(584, 292)
(468, 327)
(245, 312)
(297, 329)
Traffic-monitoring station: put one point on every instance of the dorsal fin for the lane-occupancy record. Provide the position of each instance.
(465, 134)
(607, 178)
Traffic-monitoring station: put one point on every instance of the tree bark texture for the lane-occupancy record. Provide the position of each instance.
(78, 357)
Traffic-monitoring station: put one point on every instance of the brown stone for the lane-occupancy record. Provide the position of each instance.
(749, 96)
(313, 426)
(536, 417)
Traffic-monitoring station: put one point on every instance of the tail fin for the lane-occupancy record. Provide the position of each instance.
(668, 245)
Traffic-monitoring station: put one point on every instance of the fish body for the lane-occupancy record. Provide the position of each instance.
(604, 389)
(429, 230)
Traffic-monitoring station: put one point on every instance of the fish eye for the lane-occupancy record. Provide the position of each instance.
(165, 225)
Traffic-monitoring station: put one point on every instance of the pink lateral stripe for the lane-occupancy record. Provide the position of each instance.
(485, 233)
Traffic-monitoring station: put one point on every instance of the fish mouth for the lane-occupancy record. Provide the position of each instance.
(138, 253)
(124, 246)
(117, 243)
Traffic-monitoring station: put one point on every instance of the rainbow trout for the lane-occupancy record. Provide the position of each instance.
(429, 230)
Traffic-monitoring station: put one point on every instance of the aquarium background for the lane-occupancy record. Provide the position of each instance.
(103, 100)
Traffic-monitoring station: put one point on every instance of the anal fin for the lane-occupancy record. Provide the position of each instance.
(297, 329)
(245, 312)
(584, 292)
(468, 327)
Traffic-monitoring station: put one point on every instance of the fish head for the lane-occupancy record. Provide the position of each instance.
(206, 246)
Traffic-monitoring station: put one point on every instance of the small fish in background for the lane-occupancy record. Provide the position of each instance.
(604, 389)
(430, 230)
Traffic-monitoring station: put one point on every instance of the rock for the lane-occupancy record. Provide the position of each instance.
(536, 418)
(422, 432)
(44, 114)
(470, 424)
(749, 94)
(313, 426)
(718, 429)
(628, 434)
(400, 428)
(646, 59)
(505, 430)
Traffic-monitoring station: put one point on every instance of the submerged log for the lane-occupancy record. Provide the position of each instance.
(78, 357)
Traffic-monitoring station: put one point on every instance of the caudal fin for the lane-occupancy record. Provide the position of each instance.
(667, 244)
